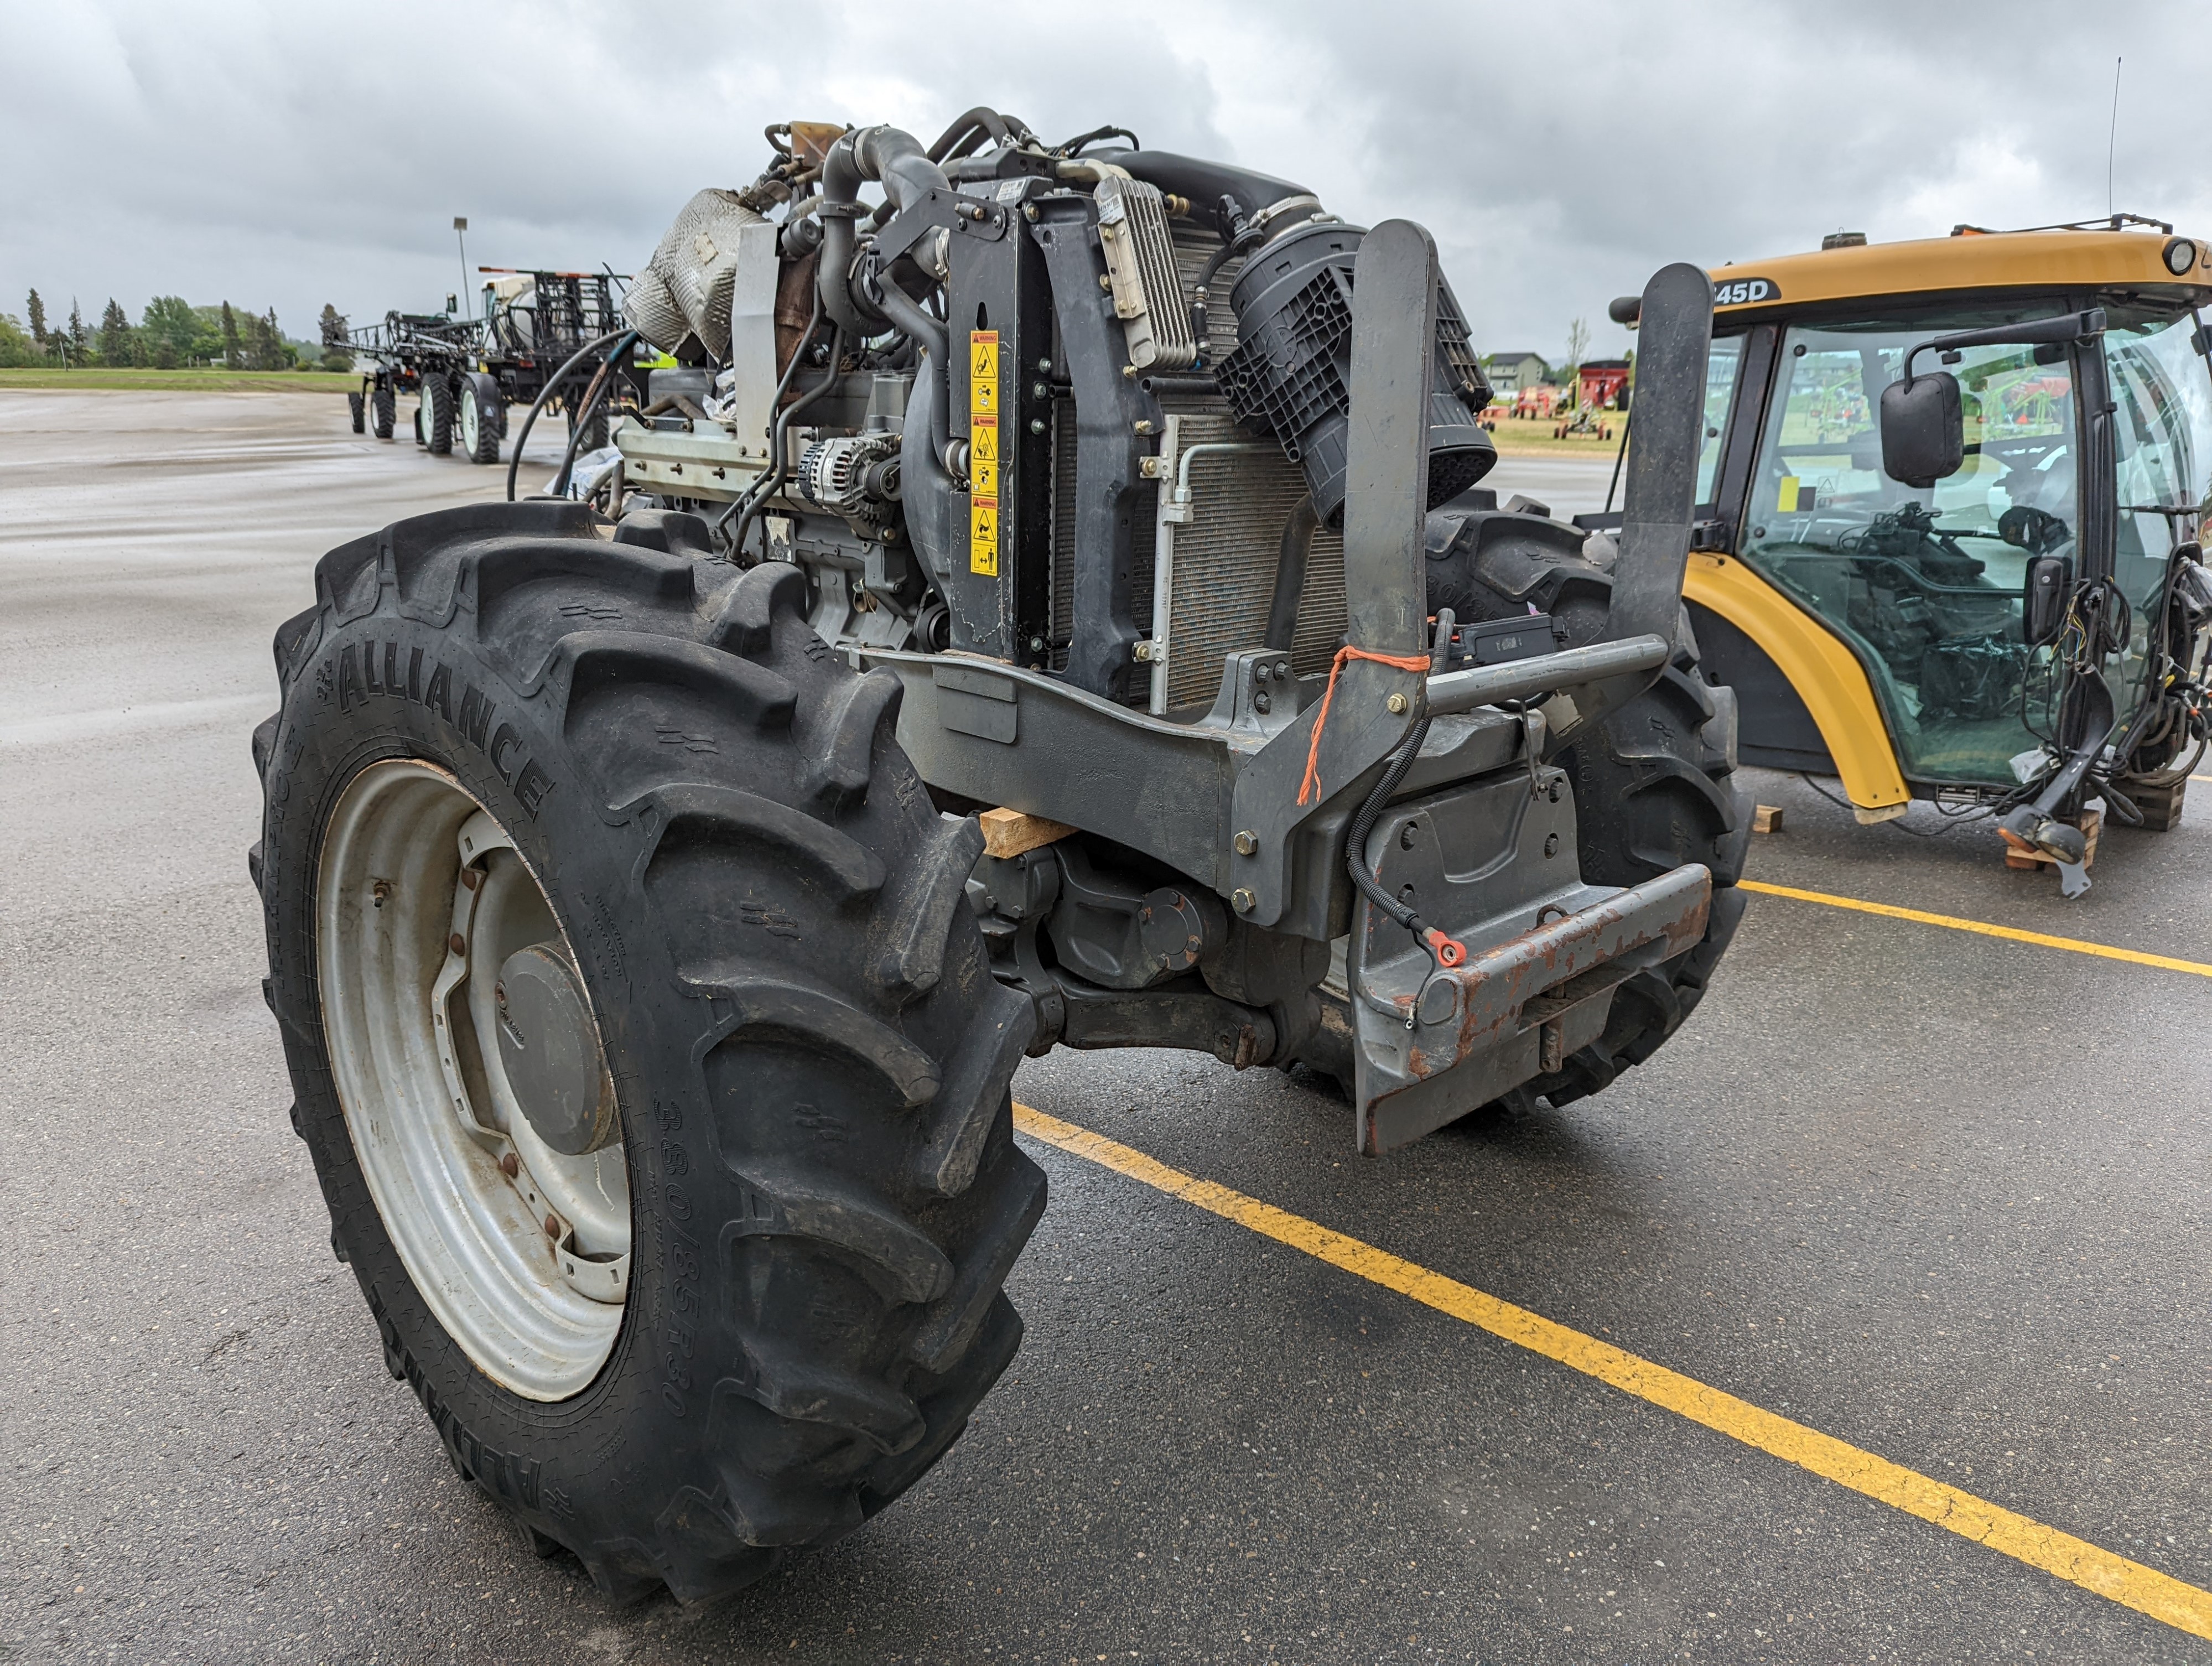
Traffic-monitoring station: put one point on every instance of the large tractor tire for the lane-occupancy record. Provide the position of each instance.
(1652, 788)
(433, 421)
(356, 407)
(384, 410)
(483, 418)
(649, 1060)
(594, 437)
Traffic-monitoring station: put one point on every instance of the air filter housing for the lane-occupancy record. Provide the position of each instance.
(1291, 375)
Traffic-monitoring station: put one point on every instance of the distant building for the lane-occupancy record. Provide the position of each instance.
(1508, 372)
(1604, 384)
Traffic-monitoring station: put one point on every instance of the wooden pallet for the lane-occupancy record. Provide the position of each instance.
(2024, 858)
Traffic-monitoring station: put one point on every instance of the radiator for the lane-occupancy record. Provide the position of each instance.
(1220, 565)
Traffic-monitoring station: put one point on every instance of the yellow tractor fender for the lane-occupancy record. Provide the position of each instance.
(1826, 674)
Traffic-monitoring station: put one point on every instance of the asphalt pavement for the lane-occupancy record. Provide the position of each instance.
(1939, 1195)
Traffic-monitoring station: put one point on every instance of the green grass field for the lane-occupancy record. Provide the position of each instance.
(183, 381)
(1535, 439)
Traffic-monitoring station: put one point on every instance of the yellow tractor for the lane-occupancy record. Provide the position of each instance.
(1948, 506)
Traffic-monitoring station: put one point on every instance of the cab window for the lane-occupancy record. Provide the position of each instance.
(1924, 585)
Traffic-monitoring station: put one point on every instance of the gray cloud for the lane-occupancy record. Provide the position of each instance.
(286, 155)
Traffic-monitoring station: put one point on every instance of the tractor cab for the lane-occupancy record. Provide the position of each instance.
(1948, 624)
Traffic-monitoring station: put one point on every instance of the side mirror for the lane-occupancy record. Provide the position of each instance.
(1923, 429)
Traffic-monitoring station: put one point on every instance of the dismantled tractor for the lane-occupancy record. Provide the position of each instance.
(1051, 602)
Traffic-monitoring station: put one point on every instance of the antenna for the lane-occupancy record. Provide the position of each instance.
(2111, 136)
(461, 232)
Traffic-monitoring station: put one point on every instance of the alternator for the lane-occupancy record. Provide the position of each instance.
(855, 476)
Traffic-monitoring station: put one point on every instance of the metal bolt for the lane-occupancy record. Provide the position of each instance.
(458, 944)
(1282, 670)
(471, 878)
(379, 891)
(552, 1227)
(1398, 704)
(1261, 702)
(1104, 281)
(1036, 644)
(1551, 844)
(510, 1165)
(1039, 391)
(1244, 901)
(1028, 210)
(1044, 366)
(1261, 673)
(1037, 425)
(1246, 843)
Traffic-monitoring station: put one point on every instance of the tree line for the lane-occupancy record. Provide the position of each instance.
(172, 334)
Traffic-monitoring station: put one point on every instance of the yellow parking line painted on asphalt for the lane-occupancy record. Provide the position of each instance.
(2130, 1584)
(2013, 934)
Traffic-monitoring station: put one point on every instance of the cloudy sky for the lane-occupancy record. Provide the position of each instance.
(290, 154)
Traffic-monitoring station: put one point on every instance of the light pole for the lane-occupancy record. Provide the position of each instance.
(461, 236)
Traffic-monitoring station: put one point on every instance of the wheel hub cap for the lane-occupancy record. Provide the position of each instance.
(551, 1050)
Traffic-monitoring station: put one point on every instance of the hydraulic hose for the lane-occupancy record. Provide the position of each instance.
(596, 393)
(1238, 239)
(982, 120)
(1447, 950)
(750, 505)
(553, 382)
(775, 429)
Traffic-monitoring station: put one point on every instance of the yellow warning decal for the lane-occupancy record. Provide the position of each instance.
(983, 372)
(1785, 498)
(983, 453)
(983, 538)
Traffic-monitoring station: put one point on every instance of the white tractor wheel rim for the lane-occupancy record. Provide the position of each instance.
(520, 1253)
(470, 428)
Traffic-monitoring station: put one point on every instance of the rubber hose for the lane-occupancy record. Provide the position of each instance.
(776, 405)
(552, 382)
(905, 314)
(599, 388)
(773, 482)
(1364, 824)
(1291, 574)
(981, 117)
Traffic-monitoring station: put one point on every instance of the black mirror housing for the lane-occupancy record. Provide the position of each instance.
(2048, 584)
(1924, 429)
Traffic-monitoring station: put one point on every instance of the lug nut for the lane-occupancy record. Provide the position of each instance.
(552, 1227)
(458, 944)
(510, 1165)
